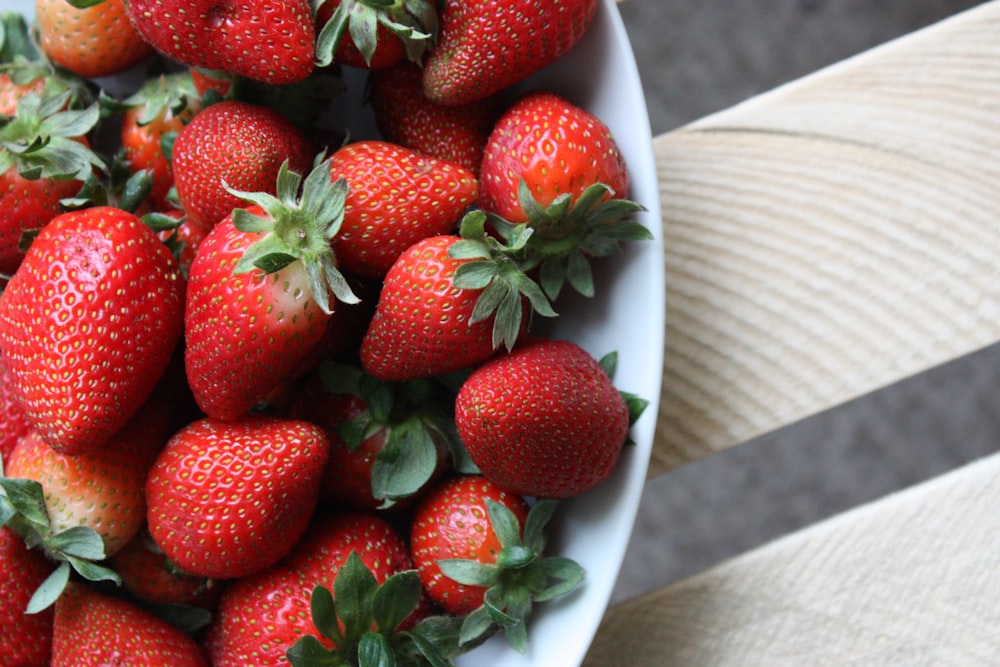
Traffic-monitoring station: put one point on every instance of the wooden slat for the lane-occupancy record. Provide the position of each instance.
(911, 580)
(831, 237)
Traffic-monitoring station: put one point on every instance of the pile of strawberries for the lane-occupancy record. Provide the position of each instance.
(272, 394)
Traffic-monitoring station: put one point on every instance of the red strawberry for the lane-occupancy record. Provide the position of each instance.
(13, 422)
(183, 239)
(237, 145)
(25, 639)
(556, 147)
(404, 115)
(44, 157)
(158, 111)
(103, 489)
(484, 47)
(261, 616)
(88, 325)
(12, 91)
(545, 420)
(258, 294)
(150, 577)
(395, 198)
(480, 553)
(374, 35)
(91, 41)
(93, 629)
(556, 167)
(236, 37)
(452, 521)
(227, 499)
(425, 325)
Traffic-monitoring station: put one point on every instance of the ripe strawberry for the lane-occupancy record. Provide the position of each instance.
(103, 489)
(556, 167)
(153, 117)
(395, 198)
(544, 420)
(451, 521)
(258, 295)
(13, 422)
(91, 41)
(404, 115)
(236, 37)
(479, 553)
(93, 629)
(373, 35)
(425, 325)
(183, 238)
(44, 158)
(260, 616)
(25, 639)
(150, 577)
(388, 441)
(89, 323)
(485, 47)
(227, 499)
(236, 145)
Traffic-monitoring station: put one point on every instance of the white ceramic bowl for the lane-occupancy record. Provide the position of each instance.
(627, 315)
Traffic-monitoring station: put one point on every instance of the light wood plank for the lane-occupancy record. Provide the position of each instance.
(831, 237)
(912, 580)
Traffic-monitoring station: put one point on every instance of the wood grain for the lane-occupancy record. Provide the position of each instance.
(911, 580)
(831, 237)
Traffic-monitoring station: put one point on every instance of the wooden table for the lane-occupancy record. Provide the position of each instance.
(824, 240)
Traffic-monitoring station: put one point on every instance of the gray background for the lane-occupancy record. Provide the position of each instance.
(698, 57)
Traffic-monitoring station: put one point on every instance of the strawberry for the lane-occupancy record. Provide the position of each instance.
(388, 441)
(93, 629)
(88, 325)
(479, 553)
(404, 115)
(91, 41)
(25, 639)
(485, 47)
(545, 420)
(261, 616)
(153, 117)
(44, 158)
(371, 34)
(183, 236)
(11, 91)
(149, 577)
(237, 145)
(236, 37)
(556, 167)
(227, 499)
(258, 295)
(395, 198)
(13, 422)
(425, 325)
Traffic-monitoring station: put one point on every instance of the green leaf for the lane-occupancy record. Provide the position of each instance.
(496, 605)
(469, 572)
(504, 524)
(136, 189)
(27, 498)
(579, 275)
(515, 557)
(92, 571)
(309, 652)
(324, 614)
(474, 274)
(49, 590)
(331, 34)
(374, 651)
(536, 523)
(517, 633)
(476, 625)
(396, 599)
(567, 573)
(78, 541)
(406, 462)
(636, 405)
(353, 590)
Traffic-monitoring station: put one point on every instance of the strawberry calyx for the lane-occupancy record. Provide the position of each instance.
(361, 619)
(568, 233)
(43, 139)
(77, 549)
(298, 227)
(414, 22)
(497, 268)
(520, 577)
(418, 423)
